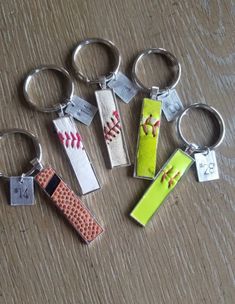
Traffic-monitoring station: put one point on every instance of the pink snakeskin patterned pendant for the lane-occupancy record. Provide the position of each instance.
(69, 204)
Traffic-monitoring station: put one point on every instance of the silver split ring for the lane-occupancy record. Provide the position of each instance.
(110, 45)
(215, 114)
(56, 107)
(164, 53)
(37, 146)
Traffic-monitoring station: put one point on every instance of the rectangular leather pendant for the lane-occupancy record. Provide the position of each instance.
(71, 140)
(146, 155)
(69, 204)
(164, 183)
(112, 128)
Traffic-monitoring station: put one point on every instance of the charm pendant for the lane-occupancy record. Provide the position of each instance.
(21, 190)
(163, 184)
(81, 110)
(206, 164)
(71, 140)
(171, 105)
(123, 87)
(69, 204)
(146, 156)
(112, 128)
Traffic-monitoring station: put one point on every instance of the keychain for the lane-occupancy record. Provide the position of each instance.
(68, 203)
(108, 107)
(22, 187)
(205, 158)
(165, 99)
(67, 131)
(177, 165)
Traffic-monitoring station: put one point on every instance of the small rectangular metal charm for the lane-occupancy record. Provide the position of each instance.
(171, 105)
(112, 128)
(71, 140)
(163, 184)
(81, 110)
(123, 87)
(206, 164)
(21, 190)
(146, 155)
(69, 204)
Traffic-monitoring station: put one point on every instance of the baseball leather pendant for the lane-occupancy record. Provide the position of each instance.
(72, 143)
(69, 204)
(112, 128)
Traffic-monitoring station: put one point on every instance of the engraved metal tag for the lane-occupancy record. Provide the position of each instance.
(171, 105)
(206, 164)
(21, 190)
(72, 143)
(81, 110)
(123, 87)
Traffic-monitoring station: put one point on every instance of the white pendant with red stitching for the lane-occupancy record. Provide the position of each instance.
(71, 140)
(112, 128)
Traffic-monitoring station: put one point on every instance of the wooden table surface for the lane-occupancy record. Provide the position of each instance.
(186, 253)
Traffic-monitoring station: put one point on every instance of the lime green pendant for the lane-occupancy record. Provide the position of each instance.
(164, 183)
(145, 164)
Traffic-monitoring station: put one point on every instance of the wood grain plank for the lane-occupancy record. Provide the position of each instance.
(186, 253)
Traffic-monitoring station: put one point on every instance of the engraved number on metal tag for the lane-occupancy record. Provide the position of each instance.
(81, 110)
(171, 105)
(206, 165)
(21, 190)
(123, 87)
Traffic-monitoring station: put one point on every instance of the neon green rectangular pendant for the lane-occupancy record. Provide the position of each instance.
(161, 187)
(146, 156)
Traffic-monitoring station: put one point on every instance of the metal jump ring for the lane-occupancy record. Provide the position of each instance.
(213, 112)
(162, 52)
(37, 146)
(55, 107)
(110, 45)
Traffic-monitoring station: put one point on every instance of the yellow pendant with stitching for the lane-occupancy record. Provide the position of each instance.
(145, 164)
(161, 187)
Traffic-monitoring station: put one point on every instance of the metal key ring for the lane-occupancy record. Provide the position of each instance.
(214, 113)
(110, 45)
(164, 53)
(37, 146)
(34, 73)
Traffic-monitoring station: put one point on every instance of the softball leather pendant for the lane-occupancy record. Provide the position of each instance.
(164, 183)
(146, 156)
(112, 128)
(69, 204)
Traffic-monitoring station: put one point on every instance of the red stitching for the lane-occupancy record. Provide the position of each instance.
(171, 179)
(165, 173)
(155, 126)
(67, 139)
(113, 127)
(116, 114)
(71, 139)
(148, 123)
